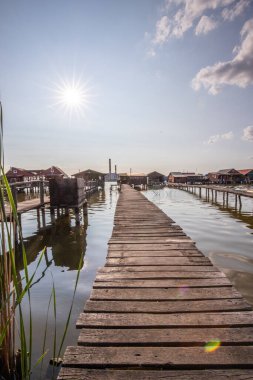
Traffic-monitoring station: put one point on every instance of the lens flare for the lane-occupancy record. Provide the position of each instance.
(72, 96)
(212, 345)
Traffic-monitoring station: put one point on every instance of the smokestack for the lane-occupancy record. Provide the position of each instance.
(115, 169)
(110, 168)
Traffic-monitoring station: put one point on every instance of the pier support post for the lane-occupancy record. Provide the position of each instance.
(41, 193)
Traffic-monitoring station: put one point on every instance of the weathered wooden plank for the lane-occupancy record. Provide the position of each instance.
(164, 283)
(215, 319)
(161, 357)
(158, 261)
(159, 268)
(167, 307)
(165, 336)
(175, 253)
(151, 247)
(110, 374)
(123, 275)
(164, 294)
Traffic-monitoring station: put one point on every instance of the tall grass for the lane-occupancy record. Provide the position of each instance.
(16, 333)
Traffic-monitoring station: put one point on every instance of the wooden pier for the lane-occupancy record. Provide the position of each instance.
(159, 309)
(211, 192)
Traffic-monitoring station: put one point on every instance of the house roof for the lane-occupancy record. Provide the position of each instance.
(88, 171)
(18, 172)
(155, 174)
(245, 171)
(54, 170)
(228, 172)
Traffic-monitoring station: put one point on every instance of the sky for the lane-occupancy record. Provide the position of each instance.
(160, 85)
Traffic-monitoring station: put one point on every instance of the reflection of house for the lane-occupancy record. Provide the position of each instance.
(225, 176)
(91, 175)
(155, 178)
(248, 175)
(178, 177)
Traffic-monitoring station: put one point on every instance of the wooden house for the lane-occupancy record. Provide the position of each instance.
(53, 172)
(19, 175)
(229, 176)
(155, 178)
(248, 175)
(91, 175)
(191, 178)
(133, 179)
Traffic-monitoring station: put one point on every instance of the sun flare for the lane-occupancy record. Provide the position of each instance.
(72, 96)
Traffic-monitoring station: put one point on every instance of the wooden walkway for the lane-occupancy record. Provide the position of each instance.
(28, 205)
(156, 304)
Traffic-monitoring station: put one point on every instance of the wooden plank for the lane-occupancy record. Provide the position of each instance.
(165, 337)
(175, 253)
(159, 268)
(133, 320)
(151, 247)
(167, 307)
(161, 357)
(69, 373)
(164, 283)
(123, 275)
(158, 261)
(164, 294)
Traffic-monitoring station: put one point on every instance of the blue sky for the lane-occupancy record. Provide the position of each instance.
(168, 84)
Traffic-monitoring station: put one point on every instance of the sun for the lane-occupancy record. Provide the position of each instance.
(73, 97)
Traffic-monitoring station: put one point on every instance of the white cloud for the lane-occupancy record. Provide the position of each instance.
(182, 15)
(215, 138)
(229, 14)
(248, 133)
(237, 72)
(205, 25)
(162, 31)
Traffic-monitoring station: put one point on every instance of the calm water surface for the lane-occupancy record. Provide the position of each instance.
(223, 234)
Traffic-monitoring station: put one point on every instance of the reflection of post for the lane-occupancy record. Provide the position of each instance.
(43, 217)
(77, 215)
(52, 215)
(38, 218)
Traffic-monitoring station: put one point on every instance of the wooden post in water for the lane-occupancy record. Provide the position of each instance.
(240, 202)
(41, 192)
(236, 201)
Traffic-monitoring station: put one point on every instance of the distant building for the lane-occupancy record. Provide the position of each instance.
(24, 175)
(111, 177)
(155, 178)
(19, 175)
(225, 176)
(135, 179)
(248, 175)
(179, 177)
(53, 172)
(91, 175)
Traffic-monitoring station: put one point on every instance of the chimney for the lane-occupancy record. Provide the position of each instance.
(110, 168)
(115, 169)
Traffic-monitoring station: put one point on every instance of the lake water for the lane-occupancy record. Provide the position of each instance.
(223, 234)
